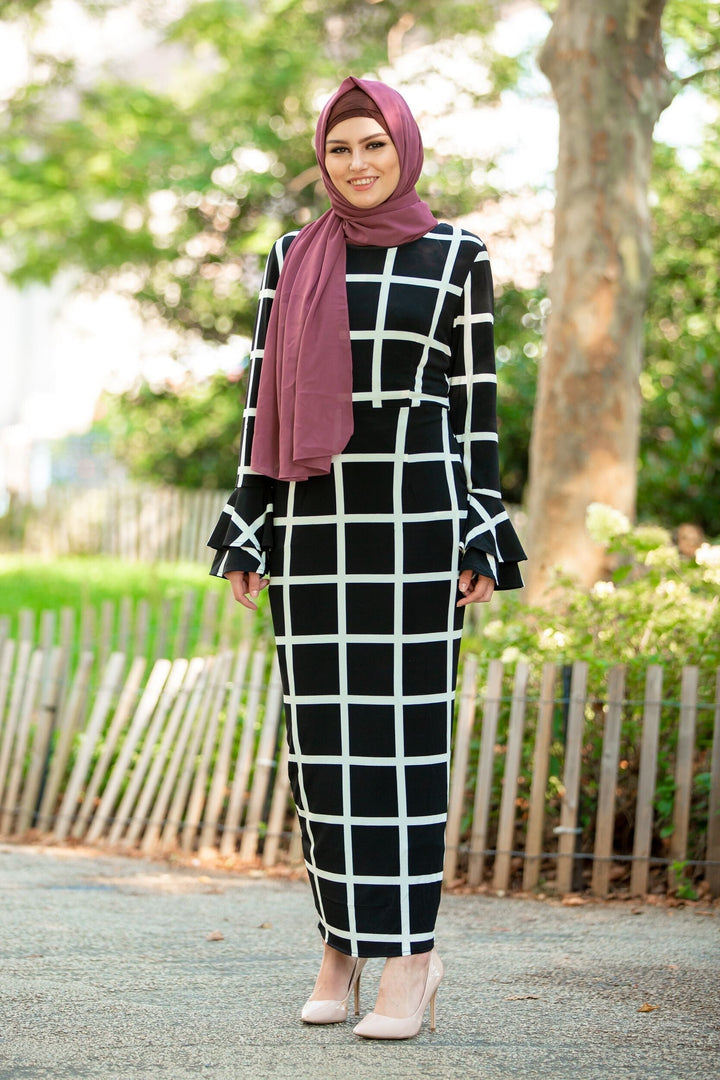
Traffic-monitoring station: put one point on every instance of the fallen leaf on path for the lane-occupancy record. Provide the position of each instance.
(523, 997)
(265, 926)
(573, 901)
(648, 1008)
(216, 935)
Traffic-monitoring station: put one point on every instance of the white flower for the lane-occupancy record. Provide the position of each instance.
(553, 638)
(494, 629)
(604, 523)
(602, 589)
(708, 555)
(665, 558)
(510, 655)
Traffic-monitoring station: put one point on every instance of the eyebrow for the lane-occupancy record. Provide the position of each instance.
(366, 138)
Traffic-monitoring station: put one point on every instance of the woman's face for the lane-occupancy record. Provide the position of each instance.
(362, 161)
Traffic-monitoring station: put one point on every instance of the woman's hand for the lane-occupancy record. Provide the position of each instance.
(244, 584)
(476, 588)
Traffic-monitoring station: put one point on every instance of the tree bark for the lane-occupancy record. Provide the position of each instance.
(606, 65)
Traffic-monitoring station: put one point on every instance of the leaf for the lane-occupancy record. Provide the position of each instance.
(645, 1008)
(216, 935)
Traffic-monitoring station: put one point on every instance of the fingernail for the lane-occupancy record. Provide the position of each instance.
(253, 592)
(462, 587)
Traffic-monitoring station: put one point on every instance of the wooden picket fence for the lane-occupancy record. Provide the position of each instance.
(187, 623)
(189, 755)
(135, 522)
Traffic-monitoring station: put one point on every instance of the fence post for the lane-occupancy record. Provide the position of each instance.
(538, 787)
(483, 783)
(461, 748)
(642, 840)
(713, 840)
(568, 827)
(683, 769)
(513, 757)
(605, 817)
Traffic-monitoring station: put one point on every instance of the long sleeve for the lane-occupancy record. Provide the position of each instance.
(490, 543)
(243, 533)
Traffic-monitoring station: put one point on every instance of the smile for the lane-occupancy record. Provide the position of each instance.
(364, 182)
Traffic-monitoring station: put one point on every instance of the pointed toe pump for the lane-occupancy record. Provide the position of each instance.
(335, 1012)
(377, 1026)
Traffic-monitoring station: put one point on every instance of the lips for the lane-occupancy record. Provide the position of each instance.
(365, 182)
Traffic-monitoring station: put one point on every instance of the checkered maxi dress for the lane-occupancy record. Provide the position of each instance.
(363, 567)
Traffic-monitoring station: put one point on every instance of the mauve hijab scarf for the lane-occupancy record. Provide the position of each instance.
(304, 406)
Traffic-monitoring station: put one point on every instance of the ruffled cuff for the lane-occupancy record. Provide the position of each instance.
(243, 534)
(490, 532)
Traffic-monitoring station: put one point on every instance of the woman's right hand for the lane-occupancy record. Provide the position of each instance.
(246, 585)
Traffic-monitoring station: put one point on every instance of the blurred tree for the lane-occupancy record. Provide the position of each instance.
(175, 194)
(606, 64)
(679, 477)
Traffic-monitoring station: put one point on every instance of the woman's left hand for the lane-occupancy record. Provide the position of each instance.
(476, 588)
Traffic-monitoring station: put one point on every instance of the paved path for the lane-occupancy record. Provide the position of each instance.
(106, 971)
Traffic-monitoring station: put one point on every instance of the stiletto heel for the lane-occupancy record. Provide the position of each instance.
(335, 1012)
(377, 1026)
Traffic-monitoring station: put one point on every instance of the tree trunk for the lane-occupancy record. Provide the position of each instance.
(605, 61)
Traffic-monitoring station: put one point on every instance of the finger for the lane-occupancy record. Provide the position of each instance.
(465, 581)
(253, 584)
(481, 592)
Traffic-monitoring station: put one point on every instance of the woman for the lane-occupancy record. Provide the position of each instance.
(368, 492)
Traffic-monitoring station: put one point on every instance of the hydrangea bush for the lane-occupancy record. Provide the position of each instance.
(657, 606)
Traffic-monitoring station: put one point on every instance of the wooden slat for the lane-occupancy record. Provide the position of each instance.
(107, 632)
(112, 674)
(144, 711)
(185, 622)
(243, 761)
(513, 759)
(126, 703)
(142, 815)
(68, 723)
(684, 768)
(17, 681)
(7, 655)
(483, 784)
(179, 802)
(123, 815)
(644, 803)
(22, 738)
(208, 620)
(26, 624)
(605, 817)
(571, 777)
(198, 675)
(88, 637)
(278, 809)
(460, 755)
(538, 786)
(264, 764)
(713, 836)
(199, 791)
(221, 770)
(295, 849)
(45, 720)
(142, 628)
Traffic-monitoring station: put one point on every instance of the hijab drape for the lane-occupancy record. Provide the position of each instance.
(304, 406)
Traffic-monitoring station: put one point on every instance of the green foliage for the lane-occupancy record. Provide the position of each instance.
(174, 194)
(186, 437)
(680, 446)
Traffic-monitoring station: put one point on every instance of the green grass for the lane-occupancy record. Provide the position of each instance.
(175, 594)
(31, 582)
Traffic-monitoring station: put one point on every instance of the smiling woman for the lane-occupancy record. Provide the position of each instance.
(362, 162)
(368, 488)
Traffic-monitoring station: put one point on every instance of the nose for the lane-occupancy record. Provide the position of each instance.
(357, 162)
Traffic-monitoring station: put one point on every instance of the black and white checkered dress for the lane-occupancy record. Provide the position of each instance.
(363, 570)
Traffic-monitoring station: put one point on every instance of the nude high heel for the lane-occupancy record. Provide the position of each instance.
(377, 1026)
(335, 1012)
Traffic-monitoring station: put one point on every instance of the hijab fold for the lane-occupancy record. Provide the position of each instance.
(304, 406)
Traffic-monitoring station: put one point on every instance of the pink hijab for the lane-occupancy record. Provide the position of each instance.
(304, 407)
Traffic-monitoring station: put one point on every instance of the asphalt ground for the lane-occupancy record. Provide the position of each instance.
(108, 970)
